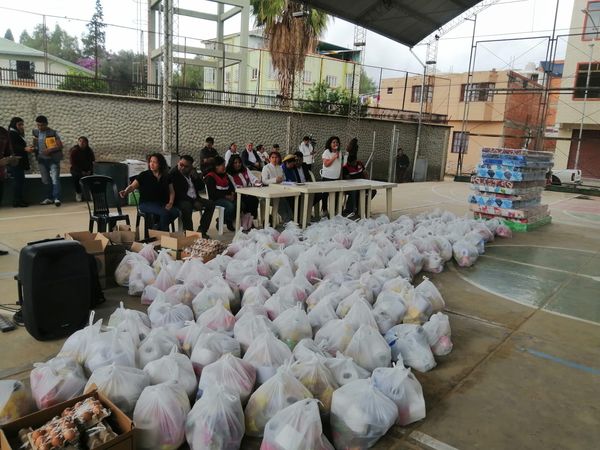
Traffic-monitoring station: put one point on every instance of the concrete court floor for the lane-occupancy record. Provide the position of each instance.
(525, 369)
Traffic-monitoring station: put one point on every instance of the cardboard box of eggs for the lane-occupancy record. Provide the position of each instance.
(89, 422)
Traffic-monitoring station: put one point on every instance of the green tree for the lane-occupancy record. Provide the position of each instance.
(367, 84)
(8, 35)
(123, 69)
(94, 40)
(81, 82)
(322, 98)
(292, 30)
(58, 43)
(189, 76)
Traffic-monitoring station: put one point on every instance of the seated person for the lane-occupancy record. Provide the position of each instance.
(157, 195)
(221, 191)
(290, 173)
(188, 185)
(272, 173)
(241, 177)
(302, 168)
(251, 158)
(352, 170)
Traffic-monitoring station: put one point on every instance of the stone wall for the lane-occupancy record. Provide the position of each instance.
(125, 127)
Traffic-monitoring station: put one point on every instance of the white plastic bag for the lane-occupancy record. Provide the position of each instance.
(266, 353)
(344, 369)
(182, 293)
(194, 272)
(400, 386)
(428, 290)
(369, 349)
(141, 275)
(255, 295)
(156, 345)
(148, 253)
(389, 310)
(122, 385)
(306, 349)
(345, 305)
(322, 313)
(360, 415)
(238, 269)
(216, 421)
(438, 332)
(76, 345)
(56, 381)
(209, 347)
(465, 254)
(335, 336)
(173, 317)
(123, 270)
(283, 276)
(188, 335)
(318, 379)
(296, 427)
(164, 280)
(15, 401)
(278, 303)
(162, 260)
(360, 314)
(135, 323)
(151, 293)
(159, 417)
(217, 318)
(216, 289)
(419, 309)
(279, 392)
(409, 344)
(110, 347)
(174, 367)
(293, 325)
(230, 372)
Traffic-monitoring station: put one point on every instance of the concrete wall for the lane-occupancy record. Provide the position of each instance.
(125, 127)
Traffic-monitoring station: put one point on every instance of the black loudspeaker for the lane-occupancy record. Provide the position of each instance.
(54, 288)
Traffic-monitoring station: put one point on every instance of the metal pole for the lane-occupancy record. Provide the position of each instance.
(177, 121)
(379, 86)
(372, 157)
(466, 99)
(420, 122)
(392, 154)
(405, 87)
(585, 96)
(167, 17)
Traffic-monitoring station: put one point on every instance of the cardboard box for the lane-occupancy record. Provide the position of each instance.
(175, 241)
(118, 420)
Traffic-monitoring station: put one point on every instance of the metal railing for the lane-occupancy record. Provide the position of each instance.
(83, 83)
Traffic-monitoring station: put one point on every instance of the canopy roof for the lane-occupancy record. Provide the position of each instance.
(405, 21)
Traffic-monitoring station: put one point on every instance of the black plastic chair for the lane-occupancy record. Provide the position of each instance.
(95, 190)
(150, 220)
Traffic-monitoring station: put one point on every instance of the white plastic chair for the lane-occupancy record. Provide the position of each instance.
(221, 211)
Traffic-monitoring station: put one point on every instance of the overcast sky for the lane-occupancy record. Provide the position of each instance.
(506, 19)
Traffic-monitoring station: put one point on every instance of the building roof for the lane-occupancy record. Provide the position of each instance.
(405, 21)
(557, 67)
(8, 47)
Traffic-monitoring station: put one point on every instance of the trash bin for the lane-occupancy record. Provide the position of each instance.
(118, 172)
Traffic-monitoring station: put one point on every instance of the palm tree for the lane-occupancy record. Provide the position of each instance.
(292, 30)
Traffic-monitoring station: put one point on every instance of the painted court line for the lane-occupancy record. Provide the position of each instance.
(37, 216)
(541, 246)
(564, 362)
(429, 441)
(595, 222)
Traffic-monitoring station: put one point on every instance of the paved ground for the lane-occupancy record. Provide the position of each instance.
(525, 369)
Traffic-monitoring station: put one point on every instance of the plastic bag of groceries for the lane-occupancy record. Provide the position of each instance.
(219, 263)
(318, 379)
(309, 271)
(400, 264)
(428, 290)
(296, 427)
(216, 289)
(123, 270)
(432, 262)
(438, 332)
(256, 310)
(278, 303)
(164, 280)
(249, 327)
(76, 345)
(360, 415)
(283, 276)
(322, 289)
(150, 294)
(443, 247)
(148, 253)
(122, 385)
(56, 381)
(159, 417)
(209, 347)
(344, 369)
(335, 336)
(361, 314)
(135, 323)
(503, 231)
(255, 295)
(293, 325)
(255, 280)
(307, 348)
(188, 335)
(196, 273)
(216, 421)
(413, 258)
(162, 260)
(322, 313)
(419, 309)
(400, 386)
(389, 310)
(174, 367)
(182, 293)
(230, 372)
(141, 275)
(465, 254)
(15, 401)
(111, 347)
(217, 318)
(279, 392)
(173, 317)
(369, 349)
(238, 269)
(345, 305)
(157, 344)
(266, 353)
(409, 343)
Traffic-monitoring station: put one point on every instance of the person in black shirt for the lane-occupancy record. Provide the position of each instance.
(207, 156)
(20, 148)
(352, 170)
(221, 191)
(188, 185)
(156, 191)
(402, 163)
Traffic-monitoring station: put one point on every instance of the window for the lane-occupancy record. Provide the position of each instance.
(478, 92)
(581, 80)
(416, 93)
(25, 69)
(307, 76)
(349, 81)
(254, 74)
(390, 90)
(209, 75)
(460, 141)
(331, 80)
(591, 21)
(227, 76)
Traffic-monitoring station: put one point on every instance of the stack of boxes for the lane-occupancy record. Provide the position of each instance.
(508, 184)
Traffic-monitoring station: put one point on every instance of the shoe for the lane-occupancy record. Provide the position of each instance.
(205, 236)
(46, 202)
(18, 318)
(78, 197)
(3, 252)
(20, 205)
(350, 215)
(57, 203)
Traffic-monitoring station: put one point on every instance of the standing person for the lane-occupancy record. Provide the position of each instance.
(251, 158)
(6, 159)
(208, 155)
(16, 130)
(157, 195)
(241, 177)
(402, 163)
(82, 160)
(48, 150)
(352, 170)
(272, 173)
(332, 166)
(188, 185)
(308, 151)
(232, 150)
(221, 191)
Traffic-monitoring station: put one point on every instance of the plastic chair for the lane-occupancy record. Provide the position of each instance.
(150, 219)
(94, 189)
(221, 209)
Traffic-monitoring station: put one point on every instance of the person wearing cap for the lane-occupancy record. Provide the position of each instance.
(48, 147)
(208, 155)
(289, 169)
(308, 151)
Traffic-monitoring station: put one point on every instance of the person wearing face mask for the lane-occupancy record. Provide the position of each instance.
(20, 149)
(188, 186)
